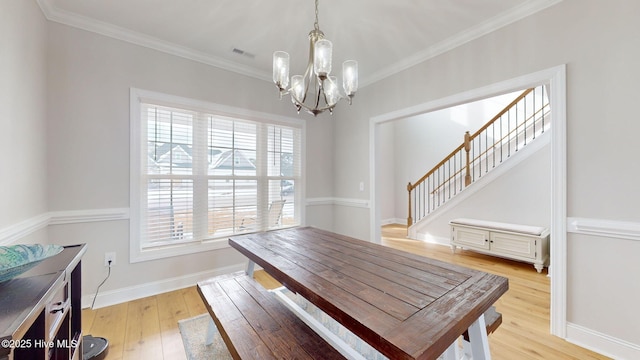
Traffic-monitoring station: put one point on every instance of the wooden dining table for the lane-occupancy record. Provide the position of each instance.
(404, 305)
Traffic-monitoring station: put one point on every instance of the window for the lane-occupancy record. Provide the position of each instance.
(200, 174)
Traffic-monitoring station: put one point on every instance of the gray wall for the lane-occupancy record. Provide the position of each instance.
(598, 42)
(23, 101)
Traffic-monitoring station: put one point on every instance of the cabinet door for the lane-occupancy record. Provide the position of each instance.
(471, 238)
(514, 245)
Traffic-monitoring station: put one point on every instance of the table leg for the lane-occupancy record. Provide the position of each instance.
(211, 330)
(250, 266)
(478, 340)
(452, 352)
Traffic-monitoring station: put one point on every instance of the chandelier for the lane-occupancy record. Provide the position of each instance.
(316, 91)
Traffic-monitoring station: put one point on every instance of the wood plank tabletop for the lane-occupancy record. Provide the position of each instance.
(405, 305)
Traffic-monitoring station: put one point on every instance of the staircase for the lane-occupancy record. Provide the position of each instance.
(518, 124)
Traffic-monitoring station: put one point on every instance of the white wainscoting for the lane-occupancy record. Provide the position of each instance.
(585, 337)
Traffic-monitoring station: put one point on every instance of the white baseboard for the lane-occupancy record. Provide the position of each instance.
(117, 296)
(393, 221)
(602, 343)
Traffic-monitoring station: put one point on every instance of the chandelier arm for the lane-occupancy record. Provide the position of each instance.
(308, 76)
(315, 111)
(320, 91)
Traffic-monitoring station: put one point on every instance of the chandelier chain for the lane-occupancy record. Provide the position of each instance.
(316, 26)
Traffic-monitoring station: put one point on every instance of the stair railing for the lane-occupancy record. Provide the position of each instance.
(519, 123)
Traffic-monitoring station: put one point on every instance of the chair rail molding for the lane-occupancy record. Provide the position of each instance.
(605, 228)
(15, 232)
(348, 202)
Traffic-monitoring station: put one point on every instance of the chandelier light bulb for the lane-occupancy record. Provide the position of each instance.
(297, 88)
(350, 77)
(322, 58)
(281, 69)
(331, 91)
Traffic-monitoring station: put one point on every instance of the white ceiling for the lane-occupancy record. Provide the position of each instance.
(384, 36)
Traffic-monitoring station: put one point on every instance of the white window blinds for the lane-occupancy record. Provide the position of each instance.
(205, 176)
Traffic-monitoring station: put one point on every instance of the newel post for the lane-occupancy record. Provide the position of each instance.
(409, 218)
(467, 148)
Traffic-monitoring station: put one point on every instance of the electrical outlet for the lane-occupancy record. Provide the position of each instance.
(110, 256)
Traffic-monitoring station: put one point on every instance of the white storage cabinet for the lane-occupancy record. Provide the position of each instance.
(517, 242)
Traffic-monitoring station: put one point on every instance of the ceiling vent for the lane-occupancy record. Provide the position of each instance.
(243, 53)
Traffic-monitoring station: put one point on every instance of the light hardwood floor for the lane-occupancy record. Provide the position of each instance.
(148, 328)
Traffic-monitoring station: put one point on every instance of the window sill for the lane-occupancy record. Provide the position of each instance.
(166, 251)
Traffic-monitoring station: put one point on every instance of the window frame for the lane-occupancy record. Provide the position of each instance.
(137, 97)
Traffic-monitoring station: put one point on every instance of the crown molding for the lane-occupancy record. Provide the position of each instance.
(82, 22)
(92, 25)
(484, 28)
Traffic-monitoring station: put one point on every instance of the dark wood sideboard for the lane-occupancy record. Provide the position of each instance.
(41, 311)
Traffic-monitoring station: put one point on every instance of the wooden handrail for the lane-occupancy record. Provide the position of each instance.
(502, 112)
(435, 168)
(466, 145)
(471, 137)
(468, 176)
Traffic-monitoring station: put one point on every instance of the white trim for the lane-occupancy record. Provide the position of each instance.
(52, 13)
(556, 77)
(82, 216)
(319, 201)
(605, 228)
(357, 203)
(558, 230)
(602, 343)
(136, 97)
(391, 221)
(13, 233)
(125, 294)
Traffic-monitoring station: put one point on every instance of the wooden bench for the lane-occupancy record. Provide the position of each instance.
(517, 242)
(255, 325)
(492, 319)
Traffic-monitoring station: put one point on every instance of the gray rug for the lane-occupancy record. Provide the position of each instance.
(194, 332)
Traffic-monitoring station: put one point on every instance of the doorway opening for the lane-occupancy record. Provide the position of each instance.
(555, 79)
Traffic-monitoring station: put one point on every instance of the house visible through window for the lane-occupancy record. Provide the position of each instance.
(204, 176)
